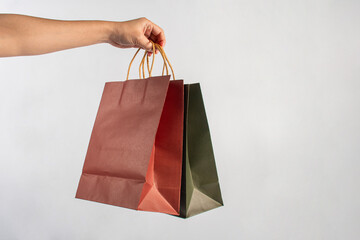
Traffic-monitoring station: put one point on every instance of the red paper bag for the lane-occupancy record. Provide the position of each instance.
(134, 158)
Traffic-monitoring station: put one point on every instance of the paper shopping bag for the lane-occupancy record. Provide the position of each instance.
(200, 189)
(134, 155)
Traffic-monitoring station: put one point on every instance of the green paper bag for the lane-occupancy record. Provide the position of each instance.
(200, 189)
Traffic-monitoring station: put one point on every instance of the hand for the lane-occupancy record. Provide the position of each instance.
(136, 33)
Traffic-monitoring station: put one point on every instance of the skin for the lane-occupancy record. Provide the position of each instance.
(22, 35)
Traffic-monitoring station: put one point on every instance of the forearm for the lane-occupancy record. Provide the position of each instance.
(25, 35)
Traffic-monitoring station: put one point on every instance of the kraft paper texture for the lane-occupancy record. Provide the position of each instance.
(200, 190)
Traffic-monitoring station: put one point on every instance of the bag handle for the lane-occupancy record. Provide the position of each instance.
(150, 69)
(146, 54)
(166, 60)
(164, 66)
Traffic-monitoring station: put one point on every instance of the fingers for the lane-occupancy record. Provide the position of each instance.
(145, 43)
(148, 34)
(148, 30)
(158, 35)
(152, 32)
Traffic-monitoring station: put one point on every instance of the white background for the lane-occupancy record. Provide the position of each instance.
(281, 86)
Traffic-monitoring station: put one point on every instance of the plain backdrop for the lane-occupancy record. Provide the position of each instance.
(281, 85)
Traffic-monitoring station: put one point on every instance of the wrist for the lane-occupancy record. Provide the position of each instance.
(107, 29)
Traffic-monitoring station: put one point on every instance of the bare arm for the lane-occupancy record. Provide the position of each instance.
(22, 35)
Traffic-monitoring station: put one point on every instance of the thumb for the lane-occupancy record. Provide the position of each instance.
(145, 43)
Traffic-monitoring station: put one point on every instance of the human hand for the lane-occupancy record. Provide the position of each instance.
(22, 35)
(136, 33)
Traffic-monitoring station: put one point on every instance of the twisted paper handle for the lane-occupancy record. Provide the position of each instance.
(142, 63)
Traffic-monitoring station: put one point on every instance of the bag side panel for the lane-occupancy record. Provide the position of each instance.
(161, 192)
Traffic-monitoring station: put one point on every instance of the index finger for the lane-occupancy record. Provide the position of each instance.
(159, 34)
